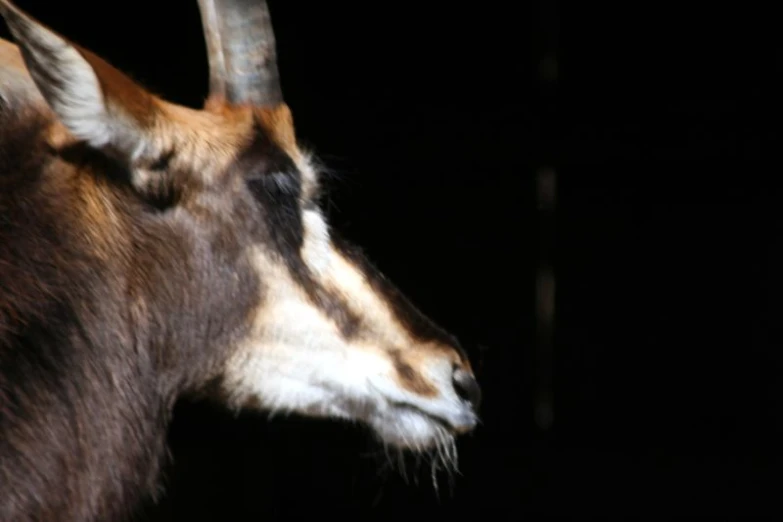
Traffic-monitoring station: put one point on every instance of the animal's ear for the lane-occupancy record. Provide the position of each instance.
(95, 102)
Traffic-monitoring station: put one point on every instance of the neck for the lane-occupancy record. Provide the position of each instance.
(81, 435)
(82, 418)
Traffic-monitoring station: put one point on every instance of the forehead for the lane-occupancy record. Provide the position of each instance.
(268, 164)
(212, 146)
(270, 151)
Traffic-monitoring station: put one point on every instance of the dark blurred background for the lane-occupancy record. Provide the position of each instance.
(489, 155)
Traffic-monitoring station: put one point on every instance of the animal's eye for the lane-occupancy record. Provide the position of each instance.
(274, 187)
(278, 198)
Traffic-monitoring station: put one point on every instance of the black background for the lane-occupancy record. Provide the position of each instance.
(663, 126)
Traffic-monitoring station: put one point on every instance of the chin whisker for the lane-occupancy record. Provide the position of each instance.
(441, 454)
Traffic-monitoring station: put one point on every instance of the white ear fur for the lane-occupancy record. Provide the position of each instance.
(71, 87)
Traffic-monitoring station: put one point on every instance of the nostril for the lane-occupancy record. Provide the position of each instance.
(467, 388)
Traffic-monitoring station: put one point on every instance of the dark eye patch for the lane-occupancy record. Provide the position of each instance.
(278, 197)
(276, 184)
(262, 157)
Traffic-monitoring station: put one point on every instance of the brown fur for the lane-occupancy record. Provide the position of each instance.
(100, 299)
(127, 283)
(410, 378)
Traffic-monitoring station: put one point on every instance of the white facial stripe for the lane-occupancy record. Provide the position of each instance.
(297, 360)
(351, 284)
(316, 249)
(304, 164)
(332, 270)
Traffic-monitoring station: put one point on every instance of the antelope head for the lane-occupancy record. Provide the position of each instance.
(247, 287)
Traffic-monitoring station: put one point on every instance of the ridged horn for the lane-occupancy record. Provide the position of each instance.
(242, 53)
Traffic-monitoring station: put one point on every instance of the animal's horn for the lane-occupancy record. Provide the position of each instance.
(242, 53)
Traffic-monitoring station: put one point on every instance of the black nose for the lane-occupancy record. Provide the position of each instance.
(468, 388)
